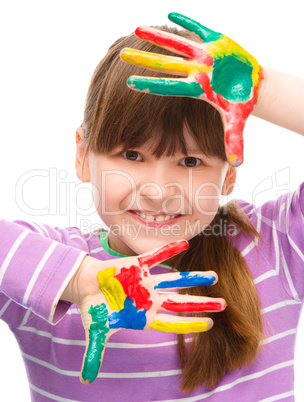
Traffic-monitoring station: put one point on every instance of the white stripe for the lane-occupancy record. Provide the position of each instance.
(96, 250)
(236, 382)
(71, 373)
(25, 318)
(282, 208)
(79, 238)
(11, 253)
(280, 304)
(5, 307)
(279, 336)
(37, 272)
(265, 276)
(51, 396)
(289, 280)
(45, 229)
(249, 247)
(276, 247)
(65, 283)
(118, 345)
(55, 339)
(111, 345)
(295, 247)
(73, 311)
(38, 228)
(278, 397)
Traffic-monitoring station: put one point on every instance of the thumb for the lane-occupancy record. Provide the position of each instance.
(97, 336)
(234, 141)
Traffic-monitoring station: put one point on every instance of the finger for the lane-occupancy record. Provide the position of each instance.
(155, 61)
(204, 33)
(165, 86)
(169, 41)
(161, 254)
(96, 338)
(185, 280)
(186, 303)
(234, 144)
(178, 325)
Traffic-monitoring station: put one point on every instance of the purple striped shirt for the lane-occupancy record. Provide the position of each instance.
(37, 261)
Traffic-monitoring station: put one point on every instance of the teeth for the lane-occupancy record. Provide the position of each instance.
(159, 218)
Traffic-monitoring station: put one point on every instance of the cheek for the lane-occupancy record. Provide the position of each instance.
(112, 191)
(206, 197)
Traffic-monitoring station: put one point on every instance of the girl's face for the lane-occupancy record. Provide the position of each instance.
(148, 202)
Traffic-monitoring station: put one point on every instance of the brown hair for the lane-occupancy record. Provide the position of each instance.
(115, 115)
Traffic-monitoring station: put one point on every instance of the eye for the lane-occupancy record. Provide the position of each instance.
(191, 161)
(132, 155)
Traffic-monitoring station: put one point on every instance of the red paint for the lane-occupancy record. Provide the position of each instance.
(171, 305)
(129, 279)
(204, 81)
(235, 116)
(178, 44)
(169, 250)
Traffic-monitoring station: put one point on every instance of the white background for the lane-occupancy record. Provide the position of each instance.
(48, 53)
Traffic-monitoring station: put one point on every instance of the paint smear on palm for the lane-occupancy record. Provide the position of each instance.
(111, 288)
(126, 295)
(180, 327)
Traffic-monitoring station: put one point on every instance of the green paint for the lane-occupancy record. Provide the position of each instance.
(161, 86)
(97, 337)
(232, 79)
(206, 34)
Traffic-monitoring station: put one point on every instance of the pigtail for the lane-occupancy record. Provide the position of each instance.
(235, 338)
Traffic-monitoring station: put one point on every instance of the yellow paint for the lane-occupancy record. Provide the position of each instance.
(111, 288)
(162, 62)
(228, 47)
(180, 327)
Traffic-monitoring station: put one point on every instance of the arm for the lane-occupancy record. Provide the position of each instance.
(281, 100)
(35, 267)
(47, 276)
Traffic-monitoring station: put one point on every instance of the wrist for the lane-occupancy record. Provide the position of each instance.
(71, 292)
(264, 90)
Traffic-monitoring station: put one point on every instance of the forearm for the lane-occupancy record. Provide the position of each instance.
(35, 269)
(281, 100)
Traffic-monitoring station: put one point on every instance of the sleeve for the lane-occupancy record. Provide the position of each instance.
(36, 266)
(281, 224)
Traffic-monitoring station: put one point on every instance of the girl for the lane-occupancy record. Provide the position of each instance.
(158, 167)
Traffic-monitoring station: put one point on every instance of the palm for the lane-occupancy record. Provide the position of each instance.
(218, 71)
(126, 295)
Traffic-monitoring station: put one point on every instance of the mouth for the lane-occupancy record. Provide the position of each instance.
(150, 218)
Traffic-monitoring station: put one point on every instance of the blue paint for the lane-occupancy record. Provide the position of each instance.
(186, 280)
(129, 317)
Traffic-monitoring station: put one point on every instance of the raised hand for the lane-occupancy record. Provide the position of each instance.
(217, 70)
(121, 293)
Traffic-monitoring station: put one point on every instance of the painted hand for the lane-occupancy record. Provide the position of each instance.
(126, 295)
(217, 70)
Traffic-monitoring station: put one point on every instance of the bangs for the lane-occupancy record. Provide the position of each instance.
(116, 116)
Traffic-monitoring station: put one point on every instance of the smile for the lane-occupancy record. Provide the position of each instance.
(149, 217)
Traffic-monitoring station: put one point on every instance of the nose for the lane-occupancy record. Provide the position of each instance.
(161, 190)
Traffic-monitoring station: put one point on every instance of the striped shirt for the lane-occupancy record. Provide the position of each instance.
(37, 261)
